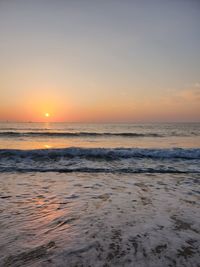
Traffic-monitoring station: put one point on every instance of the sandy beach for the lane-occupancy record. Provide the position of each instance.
(50, 219)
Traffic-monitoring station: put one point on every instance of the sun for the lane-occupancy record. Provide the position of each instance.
(47, 114)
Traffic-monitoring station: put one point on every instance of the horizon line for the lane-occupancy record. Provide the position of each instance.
(100, 122)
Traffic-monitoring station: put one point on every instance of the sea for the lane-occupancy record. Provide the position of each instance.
(77, 194)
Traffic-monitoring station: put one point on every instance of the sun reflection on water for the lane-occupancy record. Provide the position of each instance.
(47, 146)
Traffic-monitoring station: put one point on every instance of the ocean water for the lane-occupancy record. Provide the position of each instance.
(129, 148)
(99, 194)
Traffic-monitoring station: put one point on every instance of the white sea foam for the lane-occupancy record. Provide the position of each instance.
(124, 160)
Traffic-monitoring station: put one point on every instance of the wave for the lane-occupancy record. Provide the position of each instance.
(101, 160)
(101, 170)
(76, 134)
(60, 133)
(101, 153)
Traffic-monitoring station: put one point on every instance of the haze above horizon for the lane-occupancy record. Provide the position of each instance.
(99, 61)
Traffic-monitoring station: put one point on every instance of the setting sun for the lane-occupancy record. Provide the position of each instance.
(99, 133)
(47, 115)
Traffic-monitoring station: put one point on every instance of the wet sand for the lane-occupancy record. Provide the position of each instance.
(50, 219)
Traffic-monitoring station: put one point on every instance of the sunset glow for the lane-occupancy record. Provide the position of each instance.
(99, 133)
(142, 67)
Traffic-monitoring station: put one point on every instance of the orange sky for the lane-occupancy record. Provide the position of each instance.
(99, 61)
(33, 106)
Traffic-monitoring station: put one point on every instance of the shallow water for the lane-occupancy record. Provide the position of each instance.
(99, 195)
(82, 219)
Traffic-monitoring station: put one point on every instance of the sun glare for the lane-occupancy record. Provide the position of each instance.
(47, 115)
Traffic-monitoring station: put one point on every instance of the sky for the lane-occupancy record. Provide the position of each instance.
(100, 61)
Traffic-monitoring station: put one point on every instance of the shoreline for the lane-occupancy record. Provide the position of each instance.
(102, 219)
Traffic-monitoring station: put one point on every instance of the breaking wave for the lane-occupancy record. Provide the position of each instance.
(101, 160)
(102, 153)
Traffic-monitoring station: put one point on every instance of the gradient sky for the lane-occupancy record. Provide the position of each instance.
(103, 60)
